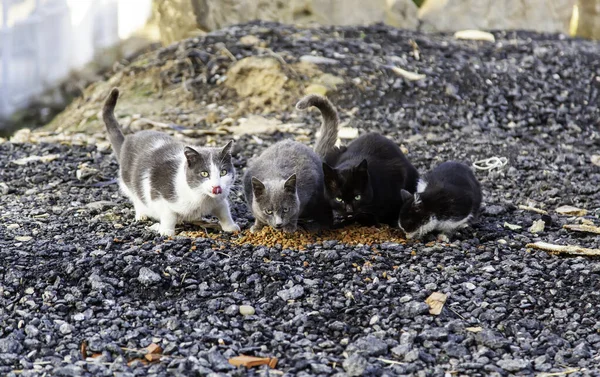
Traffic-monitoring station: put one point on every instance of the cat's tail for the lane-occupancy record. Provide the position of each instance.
(328, 133)
(112, 126)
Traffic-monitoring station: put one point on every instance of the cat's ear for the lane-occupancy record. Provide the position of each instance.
(227, 149)
(258, 188)
(362, 167)
(192, 156)
(405, 195)
(329, 175)
(290, 184)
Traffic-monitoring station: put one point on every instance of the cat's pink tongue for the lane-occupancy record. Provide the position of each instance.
(217, 190)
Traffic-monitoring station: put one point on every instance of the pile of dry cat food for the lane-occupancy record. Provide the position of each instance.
(352, 235)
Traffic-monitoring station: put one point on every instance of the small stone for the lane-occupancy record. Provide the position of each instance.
(232, 310)
(317, 59)
(513, 365)
(147, 276)
(3, 188)
(79, 317)
(412, 309)
(247, 310)
(65, 329)
(582, 351)
(595, 159)
(29, 291)
(488, 269)
(9, 345)
(537, 226)
(23, 238)
(412, 356)
(13, 226)
(355, 365)
(292, 293)
(31, 331)
(494, 210)
(405, 298)
(368, 346)
(470, 286)
(374, 320)
(249, 40)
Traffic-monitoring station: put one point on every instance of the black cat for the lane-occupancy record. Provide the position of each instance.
(363, 181)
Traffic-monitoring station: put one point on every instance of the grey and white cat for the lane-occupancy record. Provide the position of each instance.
(285, 183)
(169, 181)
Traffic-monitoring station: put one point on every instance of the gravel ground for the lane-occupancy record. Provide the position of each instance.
(75, 269)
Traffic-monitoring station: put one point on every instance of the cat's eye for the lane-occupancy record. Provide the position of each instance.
(339, 200)
(357, 197)
(223, 172)
(286, 210)
(268, 212)
(204, 174)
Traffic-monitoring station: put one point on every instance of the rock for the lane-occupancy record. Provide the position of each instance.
(582, 351)
(368, 346)
(537, 226)
(317, 60)
(23, 238)
(412, 309)
(147, 276)
(246, 310)
(3, 188)
(470, 286)
(69, 371)
(9, 345)
(451, 15)
(291, 294)
(595, 159)
(355, 365)
(65, 329)
(512, 226)
(494, 210)
(513, 365)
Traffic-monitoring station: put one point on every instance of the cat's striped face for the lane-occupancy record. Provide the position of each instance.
(210, 170)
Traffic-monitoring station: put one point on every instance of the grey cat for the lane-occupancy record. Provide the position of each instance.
(169, 181)
(285, 183)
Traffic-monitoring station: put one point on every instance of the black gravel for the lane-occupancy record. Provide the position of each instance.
(90, 274)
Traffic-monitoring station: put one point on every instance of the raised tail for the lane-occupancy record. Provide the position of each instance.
(112, 126)
(328, 133)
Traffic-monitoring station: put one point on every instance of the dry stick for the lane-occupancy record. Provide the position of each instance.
(583, 228)
(563, 373)
(533, 209)
(564, 249)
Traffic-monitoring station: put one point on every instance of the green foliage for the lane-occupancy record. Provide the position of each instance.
(419, 2)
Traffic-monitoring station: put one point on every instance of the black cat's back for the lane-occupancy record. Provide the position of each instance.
(458, 179)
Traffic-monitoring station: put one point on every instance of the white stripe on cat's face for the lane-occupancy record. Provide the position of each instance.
(421, 186)
(217, 185)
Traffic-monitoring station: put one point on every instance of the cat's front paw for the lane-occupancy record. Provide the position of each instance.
(140, 217)
(162, 230)
(256, 228)
(230, 228)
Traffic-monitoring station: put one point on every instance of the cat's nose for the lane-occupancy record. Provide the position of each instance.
(217, 190)
(349, 209)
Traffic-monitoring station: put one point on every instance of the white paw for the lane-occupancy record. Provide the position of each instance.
(443, 238)
(140, 217)
(229, 228)
(256, 228)
(162, 230)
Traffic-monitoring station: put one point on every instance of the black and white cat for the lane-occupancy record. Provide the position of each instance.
(169, 181)
(285, 183)
(362, 180)
(447, 198)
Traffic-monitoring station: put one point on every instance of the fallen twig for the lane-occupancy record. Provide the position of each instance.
(564, 249)
(533, 209)
(583, 228)
(563, 373)
(410, 76)
(387, 361)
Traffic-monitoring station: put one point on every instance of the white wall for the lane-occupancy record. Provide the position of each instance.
(41, 41)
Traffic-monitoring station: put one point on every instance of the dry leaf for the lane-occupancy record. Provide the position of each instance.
(583, 228)
(436, 302)
(571, 211)
(563, 249)
(533, 209)
(252, 361)
(26, 160)
(134, 360)
(151, 357)
(410, 76)
(537, 226)
(477, 35)
(83, 349)
(596, 159)
(153, 349)
(96, 355)
(474, 329)
(512, 226)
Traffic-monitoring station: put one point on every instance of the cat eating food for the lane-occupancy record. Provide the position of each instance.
(362, 180)
(285, 183)
(168, 181)
(447, 198)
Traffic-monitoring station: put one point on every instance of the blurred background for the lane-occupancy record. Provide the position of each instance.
(50, 50)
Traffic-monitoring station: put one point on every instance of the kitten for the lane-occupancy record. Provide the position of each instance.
(449, 197)
(285, 183)
(168, 181)
(362, 180)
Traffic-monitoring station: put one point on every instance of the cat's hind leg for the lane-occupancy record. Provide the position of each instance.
(224, 216)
